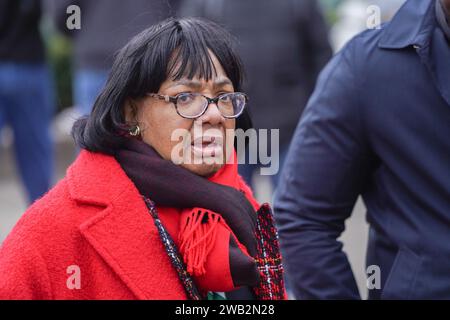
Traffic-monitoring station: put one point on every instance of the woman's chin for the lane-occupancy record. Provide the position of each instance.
(203, 169)
(203, 162)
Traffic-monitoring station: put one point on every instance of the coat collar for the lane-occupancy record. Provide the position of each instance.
(411, 26)
(96, 179)
(416, 25)
(122, 232)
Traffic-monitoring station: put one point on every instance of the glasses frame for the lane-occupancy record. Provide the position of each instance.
(215, 100)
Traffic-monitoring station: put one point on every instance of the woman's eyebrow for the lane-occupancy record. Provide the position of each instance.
(194, 84)
(187, 83)
(222, 83)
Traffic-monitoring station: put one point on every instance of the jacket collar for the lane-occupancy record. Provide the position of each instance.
(122, 232)
(96, 179)
(411, 26)
(416, 25)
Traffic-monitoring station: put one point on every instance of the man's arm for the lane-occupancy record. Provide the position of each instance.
(324, 173)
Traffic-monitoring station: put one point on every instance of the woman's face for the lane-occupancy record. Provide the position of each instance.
(200, 145)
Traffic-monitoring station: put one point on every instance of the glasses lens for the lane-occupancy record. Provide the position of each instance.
(190, 105)
(232, 104)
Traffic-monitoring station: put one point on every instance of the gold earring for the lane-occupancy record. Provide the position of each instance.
(135, 131)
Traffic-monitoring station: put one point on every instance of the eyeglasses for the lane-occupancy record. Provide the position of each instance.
(194, 105)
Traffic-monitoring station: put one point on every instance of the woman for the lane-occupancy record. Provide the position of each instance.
(141, 214)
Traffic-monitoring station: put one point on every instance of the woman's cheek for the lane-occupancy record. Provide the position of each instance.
(228, 147)
(178, 141)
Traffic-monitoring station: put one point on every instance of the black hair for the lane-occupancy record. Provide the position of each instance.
(173, 48)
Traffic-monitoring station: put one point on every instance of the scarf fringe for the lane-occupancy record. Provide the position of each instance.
(197, 238)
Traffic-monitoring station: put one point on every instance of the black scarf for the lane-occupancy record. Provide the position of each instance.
(172, 186)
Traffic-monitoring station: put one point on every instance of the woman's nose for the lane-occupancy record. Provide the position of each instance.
(212, 115)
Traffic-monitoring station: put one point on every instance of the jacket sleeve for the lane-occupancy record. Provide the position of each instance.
(324, 174)
(23, 272)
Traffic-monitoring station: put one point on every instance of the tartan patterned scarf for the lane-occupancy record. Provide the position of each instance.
(218, 236)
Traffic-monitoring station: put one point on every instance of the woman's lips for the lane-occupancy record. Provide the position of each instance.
(207, 146)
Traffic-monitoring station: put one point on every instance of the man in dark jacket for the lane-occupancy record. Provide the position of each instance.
(378, 125)
(26, 93)
(283, 45)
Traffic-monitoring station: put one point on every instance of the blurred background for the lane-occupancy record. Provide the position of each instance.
(50, 75)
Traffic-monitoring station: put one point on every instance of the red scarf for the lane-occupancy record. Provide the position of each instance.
(223, 241)
(204, 237)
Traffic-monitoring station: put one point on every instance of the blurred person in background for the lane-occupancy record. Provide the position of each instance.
(105, 27)
(129, 220)
(284, 45)
(26, 93)
(377, 125)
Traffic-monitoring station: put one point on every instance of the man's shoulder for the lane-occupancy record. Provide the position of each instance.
(365, 42)
(364, 53)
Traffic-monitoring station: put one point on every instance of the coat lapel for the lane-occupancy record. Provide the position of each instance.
(416, 25)
(438, 58)
(122, 232)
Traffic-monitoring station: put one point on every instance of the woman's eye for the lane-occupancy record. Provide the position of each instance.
(185, 98)
(226, 98)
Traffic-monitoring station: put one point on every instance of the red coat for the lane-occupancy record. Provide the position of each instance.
(94, 220)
